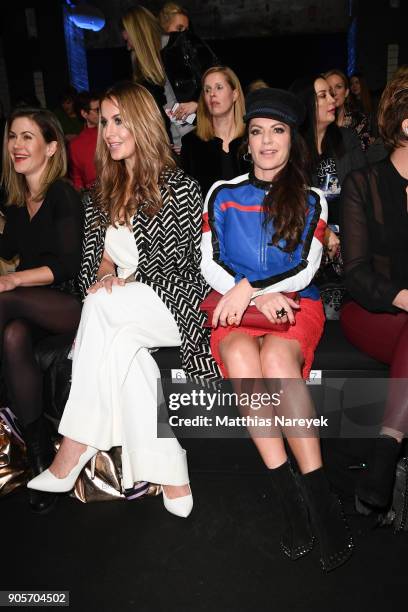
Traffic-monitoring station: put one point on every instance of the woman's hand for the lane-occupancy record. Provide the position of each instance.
(233, 304)
(107, 283)
(8, 282)
(401, 300)
(331, 242)
(184, 110)
(271, 303)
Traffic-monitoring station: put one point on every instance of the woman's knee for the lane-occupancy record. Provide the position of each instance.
(16, 335)
(281, 359)
(236, 345)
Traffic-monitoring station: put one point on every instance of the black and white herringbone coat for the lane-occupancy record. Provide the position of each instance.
(169, 263)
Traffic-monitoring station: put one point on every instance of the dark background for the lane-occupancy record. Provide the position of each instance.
(278, 60)
(297, 37)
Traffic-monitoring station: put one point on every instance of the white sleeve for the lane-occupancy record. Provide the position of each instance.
(216, 276)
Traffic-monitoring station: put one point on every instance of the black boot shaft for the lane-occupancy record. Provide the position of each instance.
(328, 520)
(40, 454)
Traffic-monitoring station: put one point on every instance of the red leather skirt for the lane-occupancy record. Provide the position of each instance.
(307, 331)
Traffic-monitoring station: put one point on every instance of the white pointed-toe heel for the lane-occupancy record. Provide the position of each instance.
(180, 506)
(46, 481)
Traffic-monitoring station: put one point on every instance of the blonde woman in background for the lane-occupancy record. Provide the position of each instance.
(142, 33)
(347, 115)
(173, 18)
(212, 151)
(160, 64)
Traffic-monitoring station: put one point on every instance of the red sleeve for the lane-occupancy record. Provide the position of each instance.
(74, 167)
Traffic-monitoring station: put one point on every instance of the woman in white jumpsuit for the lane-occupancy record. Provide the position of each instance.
(142, 225)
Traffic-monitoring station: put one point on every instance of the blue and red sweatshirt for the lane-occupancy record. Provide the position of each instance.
(236, 242)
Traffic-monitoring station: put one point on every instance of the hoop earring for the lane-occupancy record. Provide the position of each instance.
(248, 157)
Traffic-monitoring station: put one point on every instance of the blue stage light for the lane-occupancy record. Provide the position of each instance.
(86, 17)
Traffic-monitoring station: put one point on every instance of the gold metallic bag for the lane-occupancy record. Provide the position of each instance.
(14, 471)
(101, 480)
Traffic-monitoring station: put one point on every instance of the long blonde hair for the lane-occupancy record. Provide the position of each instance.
(14, 183)
(205, 128)
(141, 116)
(144, 34)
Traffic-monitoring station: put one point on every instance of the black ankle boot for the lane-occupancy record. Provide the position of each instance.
(297, 539)
(40, 454)
(328, 520)
(375, 484)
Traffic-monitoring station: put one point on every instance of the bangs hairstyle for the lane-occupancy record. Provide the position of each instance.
(168, 12)
(205, 128)
(144, 32)
(285, 203)
(392, 111)
(14, 183)
(141, 116)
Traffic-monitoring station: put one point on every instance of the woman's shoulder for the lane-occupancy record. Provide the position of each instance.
(228, 186)
(317, 200)
(62, 188)
(179, 181)
(191, 140)
(370, 172)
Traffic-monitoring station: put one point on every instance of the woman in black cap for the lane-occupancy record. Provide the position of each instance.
(262, 239)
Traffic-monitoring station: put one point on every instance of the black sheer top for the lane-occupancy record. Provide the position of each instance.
(53, 237)
(374, 222)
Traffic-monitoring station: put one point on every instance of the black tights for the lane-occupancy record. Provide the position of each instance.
(26, 315)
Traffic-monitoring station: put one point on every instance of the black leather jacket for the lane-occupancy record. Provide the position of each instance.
(186, 57)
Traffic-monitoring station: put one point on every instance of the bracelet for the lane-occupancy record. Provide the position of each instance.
(105, 277)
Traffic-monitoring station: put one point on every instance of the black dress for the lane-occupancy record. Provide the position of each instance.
(51, 238)
(207, 162)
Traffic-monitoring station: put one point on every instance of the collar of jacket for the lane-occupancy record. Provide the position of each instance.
(264, 185)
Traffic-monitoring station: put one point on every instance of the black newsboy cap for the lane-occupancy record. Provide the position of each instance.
(275, 104)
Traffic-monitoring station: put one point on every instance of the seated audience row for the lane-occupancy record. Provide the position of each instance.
(141, 277)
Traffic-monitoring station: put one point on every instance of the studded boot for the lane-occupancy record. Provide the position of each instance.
(297, 538)
(328, 521)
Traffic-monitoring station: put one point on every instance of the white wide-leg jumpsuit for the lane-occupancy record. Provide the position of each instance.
(113, 397)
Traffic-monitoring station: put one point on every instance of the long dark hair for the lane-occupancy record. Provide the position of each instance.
(285, 203)
(332, 143)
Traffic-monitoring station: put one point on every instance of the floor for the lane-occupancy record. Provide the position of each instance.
(225, 557)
